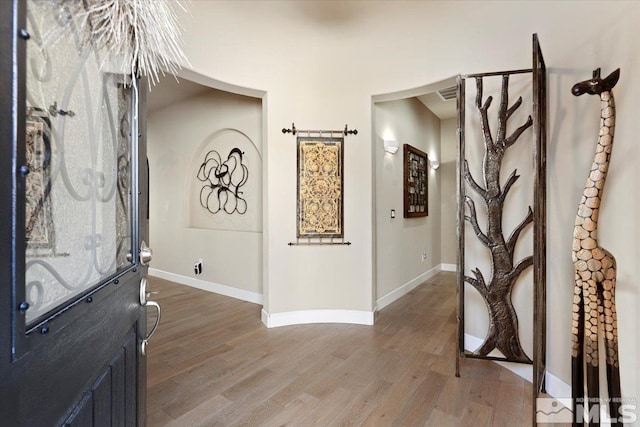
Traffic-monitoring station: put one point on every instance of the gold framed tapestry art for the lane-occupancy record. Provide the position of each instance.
(320, 187)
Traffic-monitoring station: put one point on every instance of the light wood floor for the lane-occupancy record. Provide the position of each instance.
(213, 363)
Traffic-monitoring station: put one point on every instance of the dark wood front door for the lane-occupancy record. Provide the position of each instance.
(72, 147)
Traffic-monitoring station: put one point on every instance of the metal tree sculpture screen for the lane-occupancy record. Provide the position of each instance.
(496, 292)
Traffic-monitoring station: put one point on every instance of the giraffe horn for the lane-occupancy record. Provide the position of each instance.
(611, 80)
(596, 73)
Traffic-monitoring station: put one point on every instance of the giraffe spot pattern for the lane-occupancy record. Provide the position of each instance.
(593, 202)
(588, 243)
(598, 253)
(584, 211)
(598, 277)
(600, 158)
(584, 254)
(594, 266)
(596, 175)
(590, 192)
(610, 275)
(580, 233)
(589, 225)
(576, 248)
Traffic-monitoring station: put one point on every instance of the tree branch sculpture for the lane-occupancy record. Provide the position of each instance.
(503, 320)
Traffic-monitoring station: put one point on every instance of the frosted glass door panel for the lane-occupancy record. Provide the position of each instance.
(78, 201)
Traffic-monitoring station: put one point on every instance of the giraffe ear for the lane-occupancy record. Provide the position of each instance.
(612, 79)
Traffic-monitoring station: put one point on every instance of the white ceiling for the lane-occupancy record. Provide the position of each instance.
(443, 109)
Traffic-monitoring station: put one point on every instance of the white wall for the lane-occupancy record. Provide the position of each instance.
(448, 200)
(178, 137)
(321, 62)
(401, 241)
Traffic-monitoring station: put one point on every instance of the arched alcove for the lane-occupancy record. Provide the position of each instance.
(198, 121)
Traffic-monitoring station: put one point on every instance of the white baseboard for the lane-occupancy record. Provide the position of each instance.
(554, 386)
(317, 316)
(401, 291)
(448, 267)
(217, 288)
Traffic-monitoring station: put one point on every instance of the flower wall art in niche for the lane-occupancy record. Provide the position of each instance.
(222, 191)
(320, 183)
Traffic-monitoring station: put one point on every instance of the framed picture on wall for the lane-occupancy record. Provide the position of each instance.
(416, 200)
(320, 187)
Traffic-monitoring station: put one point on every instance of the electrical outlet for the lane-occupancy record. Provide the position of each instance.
(197, 267)
(424, 255)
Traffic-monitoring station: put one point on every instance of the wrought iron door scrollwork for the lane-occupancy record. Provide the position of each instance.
(86, 163)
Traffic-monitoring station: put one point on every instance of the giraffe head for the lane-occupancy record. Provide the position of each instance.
(596, 85)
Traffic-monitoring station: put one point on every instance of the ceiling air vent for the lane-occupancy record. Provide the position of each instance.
(448, 94)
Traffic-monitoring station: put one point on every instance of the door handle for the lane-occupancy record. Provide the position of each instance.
(143, 345)
(145, 302)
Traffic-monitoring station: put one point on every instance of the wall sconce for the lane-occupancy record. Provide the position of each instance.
(390, 146)
(434, 164)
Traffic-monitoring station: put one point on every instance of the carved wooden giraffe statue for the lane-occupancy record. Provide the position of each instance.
(594, 307)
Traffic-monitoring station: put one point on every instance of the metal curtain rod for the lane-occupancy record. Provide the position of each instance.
(317, 243)
(345, 132)
(497, 73)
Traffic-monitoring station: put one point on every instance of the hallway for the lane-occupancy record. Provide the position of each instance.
(213, 363)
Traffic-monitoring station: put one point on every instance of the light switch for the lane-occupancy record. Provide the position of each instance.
(393, 213)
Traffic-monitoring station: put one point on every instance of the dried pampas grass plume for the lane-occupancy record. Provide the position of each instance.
(146, 34)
